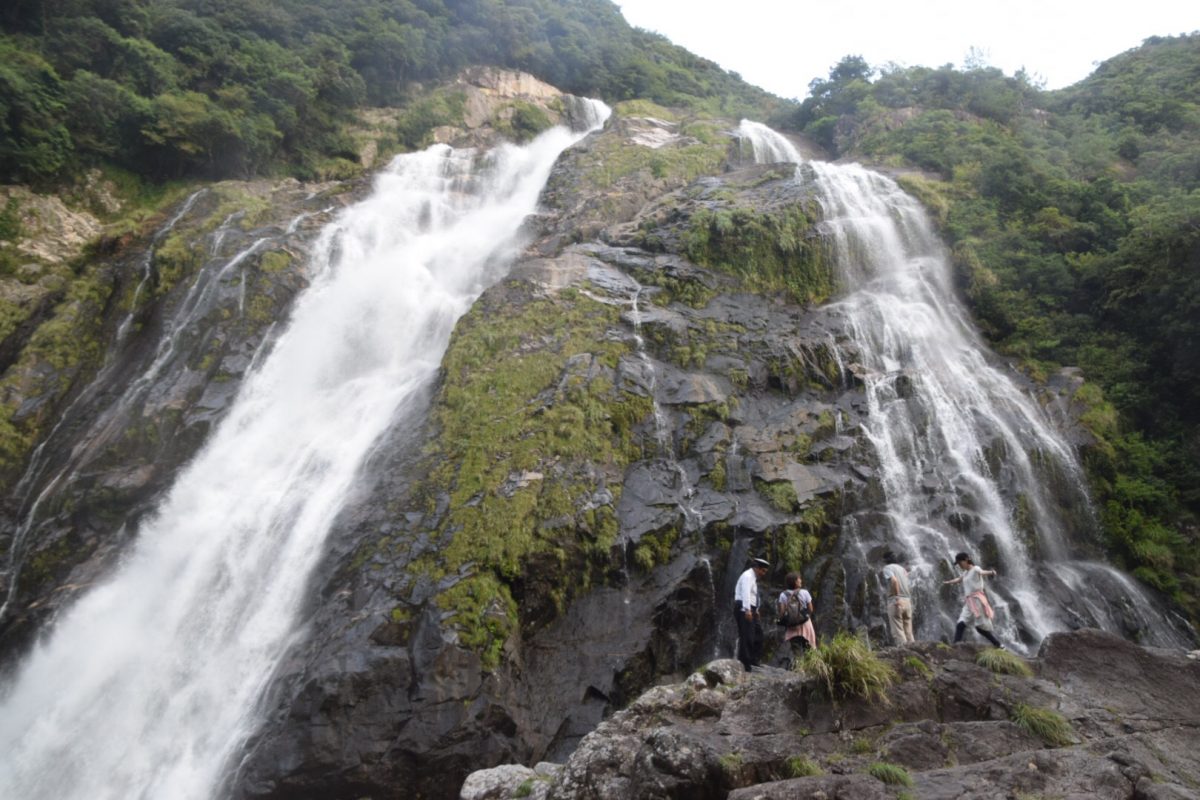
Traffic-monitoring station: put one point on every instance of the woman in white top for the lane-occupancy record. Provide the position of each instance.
(976, 609)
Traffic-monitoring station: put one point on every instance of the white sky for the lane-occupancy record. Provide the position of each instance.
(781, 45)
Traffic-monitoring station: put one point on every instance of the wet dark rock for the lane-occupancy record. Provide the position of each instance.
(947, 726)
(172, 369)
(387, 697)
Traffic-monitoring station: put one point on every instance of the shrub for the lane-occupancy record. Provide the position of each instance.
(1049, 726)
(890, 774)
(1002, 662)
(802, 767)
(848, 669)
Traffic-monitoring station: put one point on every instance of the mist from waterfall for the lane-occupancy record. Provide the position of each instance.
(965, 456)
(149, 684)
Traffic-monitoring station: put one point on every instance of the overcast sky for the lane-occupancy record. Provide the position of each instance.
(781, 45)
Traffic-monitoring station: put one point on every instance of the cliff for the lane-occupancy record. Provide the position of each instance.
(656, 388)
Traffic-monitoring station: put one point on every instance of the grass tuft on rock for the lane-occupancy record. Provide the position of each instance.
(918, 666)
(1002, 662)
(802, 767)
(1049, 726)
(890, 774)
(848, 669)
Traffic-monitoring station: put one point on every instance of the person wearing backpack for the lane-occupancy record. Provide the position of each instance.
(795, 614)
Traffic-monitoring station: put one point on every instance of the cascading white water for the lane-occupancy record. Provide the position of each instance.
(148, 684)
(204, 292)
(937, 409)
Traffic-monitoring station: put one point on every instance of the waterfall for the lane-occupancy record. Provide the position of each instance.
(101, 427)
(692, 519)
(965, 456)
(148, 685)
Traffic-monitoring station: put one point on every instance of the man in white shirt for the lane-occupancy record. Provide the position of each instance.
(899, 599)
(746, 613)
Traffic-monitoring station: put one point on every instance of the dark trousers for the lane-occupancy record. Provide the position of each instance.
(750, 639)
(962, 627)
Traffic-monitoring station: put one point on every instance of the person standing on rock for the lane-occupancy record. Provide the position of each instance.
(801, 636)
(976, 611)
(899, 599)
(745, 612)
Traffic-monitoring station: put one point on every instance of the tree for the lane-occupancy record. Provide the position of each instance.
(34, 143)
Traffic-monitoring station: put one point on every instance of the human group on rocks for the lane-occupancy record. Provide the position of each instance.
(795, 610)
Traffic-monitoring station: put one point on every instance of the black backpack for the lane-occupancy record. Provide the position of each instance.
(794, 611)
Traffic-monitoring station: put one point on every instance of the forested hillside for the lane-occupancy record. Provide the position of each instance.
(1074, 218)
(216, 88)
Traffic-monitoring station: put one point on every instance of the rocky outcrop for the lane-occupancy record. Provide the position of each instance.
(479, 108)
(949, 728)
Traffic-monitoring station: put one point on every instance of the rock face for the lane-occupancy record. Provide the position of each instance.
(652, 393)
(121, 381)
(950, 727)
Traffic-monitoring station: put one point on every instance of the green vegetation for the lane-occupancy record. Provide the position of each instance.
(801, 767)
(1049, 726)
(614, 160)
(862, 745)
(1074, 222)
(795, 544)
(522, 429)
(918, 666)
(731, 763)
(890, 774)
(847, 669)
(769, 251)
(67, 344)
(180, 87)
(1002, 662)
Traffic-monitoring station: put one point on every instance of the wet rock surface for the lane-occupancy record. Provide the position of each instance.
(947, 728)
(189, 310)
(738, 415)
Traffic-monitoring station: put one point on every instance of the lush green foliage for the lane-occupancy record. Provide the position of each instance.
(847, 668)
(197, 87)
(1074, 218)
(1003, 662)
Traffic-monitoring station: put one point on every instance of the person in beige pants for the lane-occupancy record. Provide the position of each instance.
(899, 599)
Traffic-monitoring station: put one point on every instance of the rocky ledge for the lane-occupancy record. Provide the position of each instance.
(1096, 716)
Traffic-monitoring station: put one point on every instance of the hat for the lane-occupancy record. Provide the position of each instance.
(760, 562)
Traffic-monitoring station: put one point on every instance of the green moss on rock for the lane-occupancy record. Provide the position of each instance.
(772, 251)
(530, 423)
